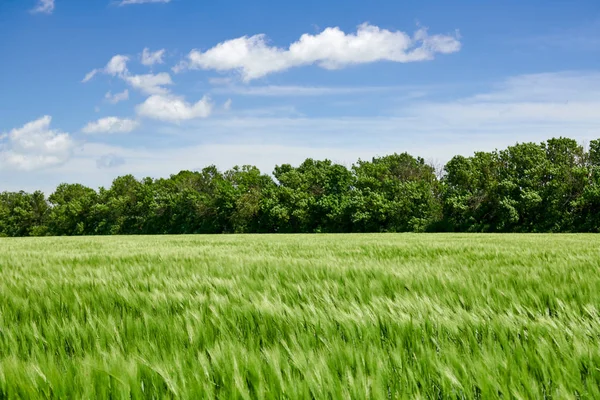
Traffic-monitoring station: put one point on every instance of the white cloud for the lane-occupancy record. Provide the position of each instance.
(523, 108)
(149, 83)
(35, 146)
(527, 102)
(218, 81)
(545, 87)
(227, 105)
(117, 66)
(146, 83)
(173, 108)
(111, 125)
(117, 97)
(44, 6)
(582, 37)
(90, 75)
(281, 111)
(126, 2)
(110, 161)
(330, 49)
(150, 58)
(282, 91)
(535, 108)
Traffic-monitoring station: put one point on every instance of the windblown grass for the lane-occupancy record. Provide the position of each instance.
(321, 316)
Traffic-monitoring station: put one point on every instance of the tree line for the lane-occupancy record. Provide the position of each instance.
(552, 186)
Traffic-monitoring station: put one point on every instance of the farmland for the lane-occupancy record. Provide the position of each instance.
(301, 316)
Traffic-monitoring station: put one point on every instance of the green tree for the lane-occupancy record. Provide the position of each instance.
(72, 206)
(312, 197)
(23, 214)
(396, 193)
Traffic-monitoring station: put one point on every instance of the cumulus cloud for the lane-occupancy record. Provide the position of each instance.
(174, 108)
(126, 2)
(254, 58)
(117, 66)
(150, 58)
(146, 83)
(111, 125)
(35, 146)
(44, 6)
(117, 97)
(149, 83)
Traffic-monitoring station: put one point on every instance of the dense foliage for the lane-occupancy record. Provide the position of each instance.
(448, 316)
(547, 187)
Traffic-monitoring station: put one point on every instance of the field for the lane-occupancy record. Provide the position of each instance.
(319, 316)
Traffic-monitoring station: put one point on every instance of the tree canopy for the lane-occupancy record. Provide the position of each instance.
(552, 186)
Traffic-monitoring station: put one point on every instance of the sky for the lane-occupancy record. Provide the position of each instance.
(91, 90)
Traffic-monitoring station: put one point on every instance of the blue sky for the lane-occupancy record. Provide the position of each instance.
(93, 89)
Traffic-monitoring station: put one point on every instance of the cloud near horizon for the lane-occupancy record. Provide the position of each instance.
(109, 161)
(531, 107)
(34, 146)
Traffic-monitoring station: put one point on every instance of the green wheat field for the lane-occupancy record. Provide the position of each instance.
(301, 316)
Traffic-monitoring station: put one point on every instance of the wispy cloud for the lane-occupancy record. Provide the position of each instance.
(584, 37)
(110, 161)
(522, 108)
(559, 103)
(282, 91)
(146, 83)
(127, 2)
(44, 7)
(150, 58)
(117, 97)
(220, 81)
